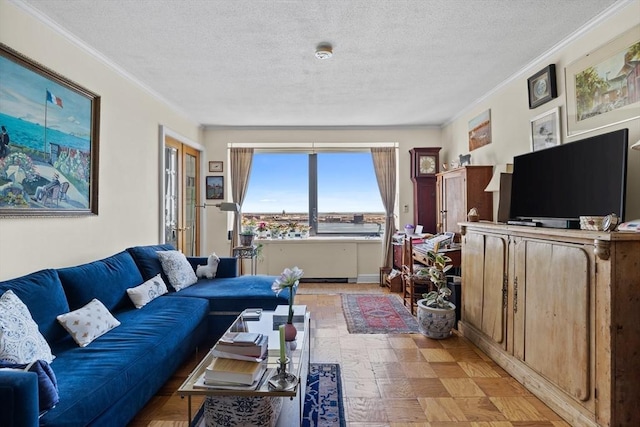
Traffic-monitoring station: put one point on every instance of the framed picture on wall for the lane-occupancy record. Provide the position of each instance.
(215, 187)
(49, 130)
(542, 86)
(603, 87)
(545, 130)
(215, 166)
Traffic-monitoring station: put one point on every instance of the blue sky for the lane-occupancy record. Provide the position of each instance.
(280, 182)
(23, 94)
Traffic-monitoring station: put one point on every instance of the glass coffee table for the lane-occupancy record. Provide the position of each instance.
(263, 404)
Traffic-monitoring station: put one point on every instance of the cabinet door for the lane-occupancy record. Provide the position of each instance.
(472, 278)
(493, 308)
(483, 272)
(454, 201)
(556, 314)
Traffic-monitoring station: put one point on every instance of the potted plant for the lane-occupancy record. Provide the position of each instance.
(436, 314)
(248, 231)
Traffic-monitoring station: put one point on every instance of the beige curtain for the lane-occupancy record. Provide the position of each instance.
(240, 168)
(384, 163)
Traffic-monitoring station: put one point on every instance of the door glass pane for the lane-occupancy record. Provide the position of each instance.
(171, 196)
(190, 204)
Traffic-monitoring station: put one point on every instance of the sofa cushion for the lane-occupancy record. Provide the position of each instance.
(237, 293)
(106, 280)
(143, 294)
(136, 355)
(20, 339)
(88, 323)
(147, 260)
(177, 269)
(43, 295)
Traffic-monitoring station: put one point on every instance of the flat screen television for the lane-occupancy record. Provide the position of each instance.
(555, 186)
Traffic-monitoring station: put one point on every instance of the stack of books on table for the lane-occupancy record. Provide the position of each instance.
(239, 363)
(232, 374)
(248, 346)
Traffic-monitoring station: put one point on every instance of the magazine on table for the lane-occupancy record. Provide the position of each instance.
(201, 382)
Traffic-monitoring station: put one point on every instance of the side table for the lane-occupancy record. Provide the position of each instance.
(248, 252)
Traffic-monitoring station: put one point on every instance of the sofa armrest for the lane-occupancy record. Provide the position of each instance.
(18, 398)
(228, 266)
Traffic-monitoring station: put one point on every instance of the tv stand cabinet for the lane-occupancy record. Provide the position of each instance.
(560, 311)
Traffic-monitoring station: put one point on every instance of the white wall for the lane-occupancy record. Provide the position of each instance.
(216, 139)
(129, 158)
(510, 113)
(129, 148)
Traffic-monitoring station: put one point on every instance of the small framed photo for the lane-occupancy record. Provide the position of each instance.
(215, 166)
(542, 86)
(545, 130)
(215, 187)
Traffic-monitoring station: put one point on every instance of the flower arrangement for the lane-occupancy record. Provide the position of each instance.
(263, 226)
(289, 278)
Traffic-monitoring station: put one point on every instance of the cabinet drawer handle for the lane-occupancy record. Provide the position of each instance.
(515, 295)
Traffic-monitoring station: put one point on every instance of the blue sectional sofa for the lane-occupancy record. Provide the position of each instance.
(107, 382)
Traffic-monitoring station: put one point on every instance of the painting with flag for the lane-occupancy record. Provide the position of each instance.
(54, 99)
(49, 163)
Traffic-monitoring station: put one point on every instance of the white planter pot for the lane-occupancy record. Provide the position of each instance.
(436, 323)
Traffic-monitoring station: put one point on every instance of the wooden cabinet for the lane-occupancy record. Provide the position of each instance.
(459, 190)
(424, 166)
(558, 310)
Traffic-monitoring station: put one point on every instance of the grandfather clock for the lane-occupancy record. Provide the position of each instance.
(424, 167)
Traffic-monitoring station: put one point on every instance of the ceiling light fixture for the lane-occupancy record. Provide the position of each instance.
(324, 51)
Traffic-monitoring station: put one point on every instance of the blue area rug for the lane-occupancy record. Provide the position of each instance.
(323, 406)
(323, 401)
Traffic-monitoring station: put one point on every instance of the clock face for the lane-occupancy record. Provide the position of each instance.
(427, 165)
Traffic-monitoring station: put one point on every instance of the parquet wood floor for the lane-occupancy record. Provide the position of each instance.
(404, 380)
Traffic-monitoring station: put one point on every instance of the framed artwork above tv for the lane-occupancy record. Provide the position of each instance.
(603, 87)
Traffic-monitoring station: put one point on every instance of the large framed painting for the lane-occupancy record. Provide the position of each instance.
(603, 87)
(49, 130)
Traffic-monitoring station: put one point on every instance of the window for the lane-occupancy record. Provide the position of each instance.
(339, 189)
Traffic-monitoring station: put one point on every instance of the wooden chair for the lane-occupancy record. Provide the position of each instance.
(412, 287)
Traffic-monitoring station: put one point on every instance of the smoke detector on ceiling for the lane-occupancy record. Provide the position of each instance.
(324, 51)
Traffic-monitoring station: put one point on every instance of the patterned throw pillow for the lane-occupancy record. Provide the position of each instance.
(20, 339)
(177, 269)
(88, 323)
(151, 289)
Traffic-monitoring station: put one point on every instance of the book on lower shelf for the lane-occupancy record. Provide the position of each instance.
(201, 382)
(223, 370)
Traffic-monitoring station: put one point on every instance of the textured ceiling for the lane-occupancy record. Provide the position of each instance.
(251, 62)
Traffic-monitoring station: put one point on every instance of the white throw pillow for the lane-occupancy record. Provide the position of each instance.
(177, 268)
(88, 323)
(151, 289)
(20, 340)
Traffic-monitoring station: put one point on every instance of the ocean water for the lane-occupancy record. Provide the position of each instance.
(31, 135)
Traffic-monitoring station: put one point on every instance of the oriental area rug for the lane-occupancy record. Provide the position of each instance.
(323, 405)
(377, 314)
